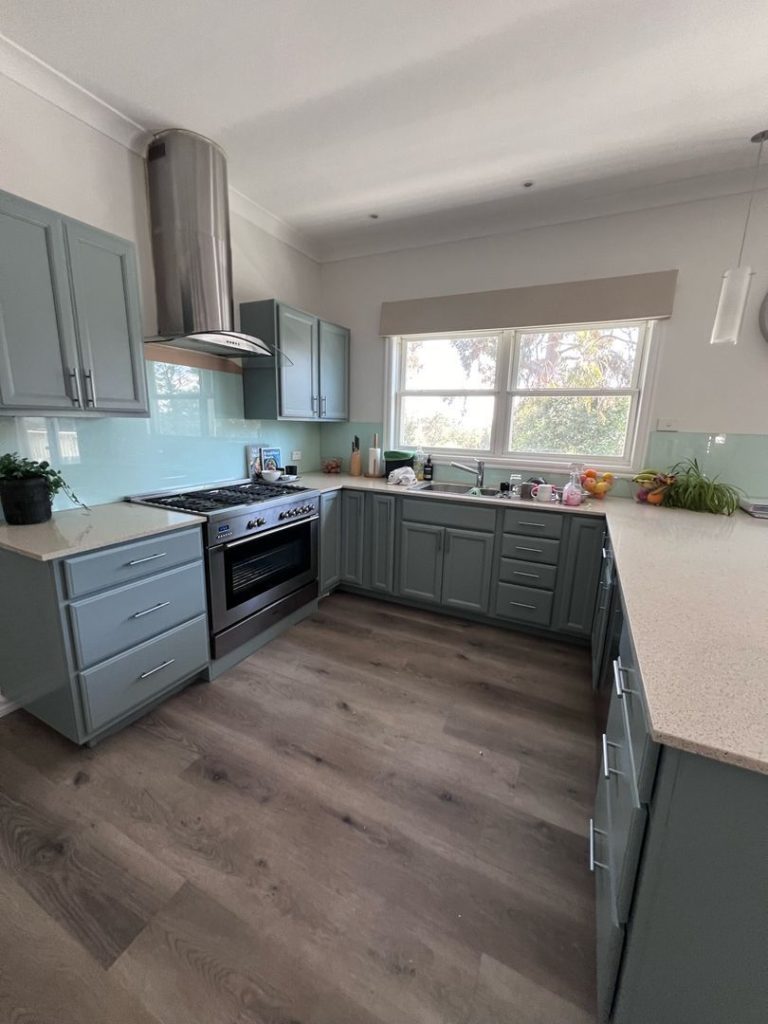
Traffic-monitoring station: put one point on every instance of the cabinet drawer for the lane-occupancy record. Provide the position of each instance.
(109, 623)
(124, 683)
(627, 816)
(100, 570)
(533, 524)
(527, 574)
(524, 604)
(628, 682)
(443, 513)
(530, 549)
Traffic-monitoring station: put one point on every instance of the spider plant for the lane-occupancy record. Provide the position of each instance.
(694, 490)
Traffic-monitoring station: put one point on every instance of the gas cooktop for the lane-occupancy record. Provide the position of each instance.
(209, 501)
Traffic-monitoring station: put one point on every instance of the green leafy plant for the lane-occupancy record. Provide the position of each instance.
(694, 490)
(14, 467)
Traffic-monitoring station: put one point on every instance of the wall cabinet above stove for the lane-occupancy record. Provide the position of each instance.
(70, 330)
(315, 385)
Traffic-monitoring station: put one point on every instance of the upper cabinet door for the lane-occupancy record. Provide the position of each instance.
(297, 333)
(105, 294)
(334, 372)
(38, 360)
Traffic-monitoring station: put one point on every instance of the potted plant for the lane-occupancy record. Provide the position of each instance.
(27, 489)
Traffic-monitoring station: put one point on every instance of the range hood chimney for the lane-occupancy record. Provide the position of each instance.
(189, 213)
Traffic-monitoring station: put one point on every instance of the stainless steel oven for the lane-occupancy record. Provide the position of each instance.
(259, 579)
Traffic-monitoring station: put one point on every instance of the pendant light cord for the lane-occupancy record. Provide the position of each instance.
(751, 198)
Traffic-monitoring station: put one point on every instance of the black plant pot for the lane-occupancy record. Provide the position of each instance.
(25, 501)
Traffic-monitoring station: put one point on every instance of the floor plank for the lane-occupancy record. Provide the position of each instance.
(377, 818)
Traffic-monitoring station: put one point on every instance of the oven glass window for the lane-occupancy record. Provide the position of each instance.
(258, 565)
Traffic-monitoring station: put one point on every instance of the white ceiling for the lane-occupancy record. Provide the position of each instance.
(430, 113)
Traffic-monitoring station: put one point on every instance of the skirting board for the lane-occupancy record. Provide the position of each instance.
(6, 707)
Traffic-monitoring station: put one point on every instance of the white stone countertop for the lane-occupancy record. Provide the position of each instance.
(77, 530)
(695, 588)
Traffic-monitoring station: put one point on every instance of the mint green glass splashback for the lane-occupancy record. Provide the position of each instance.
(738, 459)
(195, 435)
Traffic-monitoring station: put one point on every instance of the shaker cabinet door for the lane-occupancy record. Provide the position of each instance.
(330, 540)
(382, 534)
(105, 295)
(38, 356)
(467, 570)
(333, 371)
(298, 391)
(576, 595)
(421, 562)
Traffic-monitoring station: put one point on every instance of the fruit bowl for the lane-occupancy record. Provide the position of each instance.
(597, 484)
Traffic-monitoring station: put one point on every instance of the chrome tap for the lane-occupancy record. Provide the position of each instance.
(478, 470)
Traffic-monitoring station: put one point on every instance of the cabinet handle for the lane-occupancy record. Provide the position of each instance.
(607, 770)
(149, 558)
(519, 547)
(165, 664)
(528, 575)
(74, 384)
(539, 526)
(621, 689)
(592, 833)
(519, 604)
(603, 604)
(148, 611)
(90, 390)
(323, 405)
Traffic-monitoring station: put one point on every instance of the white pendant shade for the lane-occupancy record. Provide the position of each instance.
(731, 306)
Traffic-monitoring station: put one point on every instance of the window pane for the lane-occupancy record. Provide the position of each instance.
(451, 364)
(569, 425)
(598, 357)
(447, 422)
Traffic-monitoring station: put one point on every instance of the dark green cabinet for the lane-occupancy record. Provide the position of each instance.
(578, 576)
(420, 575)
(70, 329)
(353, 538)
(330, 540)
(381, 520)
(467, 562)
(309, 378)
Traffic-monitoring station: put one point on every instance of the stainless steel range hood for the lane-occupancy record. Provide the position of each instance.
(189, 212)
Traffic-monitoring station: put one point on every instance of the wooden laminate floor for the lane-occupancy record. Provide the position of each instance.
(377, 819)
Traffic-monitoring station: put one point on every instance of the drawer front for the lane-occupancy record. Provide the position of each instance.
(627, 816)
(628, 681)
(112, 567)
(528, 574)
(533, 524)
(530, 549)
(110, 623)
(122, 684)
(524, 604)
(443, 513)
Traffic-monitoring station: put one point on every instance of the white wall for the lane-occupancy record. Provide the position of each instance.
(704, 388)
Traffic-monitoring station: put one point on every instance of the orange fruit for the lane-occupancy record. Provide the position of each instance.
(655, 497)
(592, 473)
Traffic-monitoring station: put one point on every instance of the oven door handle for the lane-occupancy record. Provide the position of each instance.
(268, 533)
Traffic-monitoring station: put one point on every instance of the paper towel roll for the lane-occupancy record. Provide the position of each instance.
(374, 462)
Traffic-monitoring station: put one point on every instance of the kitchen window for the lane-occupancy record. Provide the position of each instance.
(544, 396)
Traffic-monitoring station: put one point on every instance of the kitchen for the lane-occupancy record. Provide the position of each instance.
(381, 804)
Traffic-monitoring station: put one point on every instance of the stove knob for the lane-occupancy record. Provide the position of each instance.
(261, 521)
(283, 515)
(252, 524)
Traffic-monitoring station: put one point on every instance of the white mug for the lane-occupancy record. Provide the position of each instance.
(542, 492)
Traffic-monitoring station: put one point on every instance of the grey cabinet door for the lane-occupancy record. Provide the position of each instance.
(609, 932)
(330, 540)
(38, 355)
(298, 389)
(353, 537)
(333, 375)
(382, 534)
(420, 576)
(105, 296)
(467, 570)
(578, 577)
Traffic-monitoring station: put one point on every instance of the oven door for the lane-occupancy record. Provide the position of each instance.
(248, 575)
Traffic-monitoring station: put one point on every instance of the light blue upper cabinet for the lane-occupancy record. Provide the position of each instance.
(315, 384)
(333, 371)
(105, 296)
(70, 321)
(38, 353)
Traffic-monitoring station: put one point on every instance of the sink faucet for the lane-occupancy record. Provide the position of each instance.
(478, 469)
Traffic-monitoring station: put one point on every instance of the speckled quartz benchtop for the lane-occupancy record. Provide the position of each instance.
(76, 530)
(695, 588)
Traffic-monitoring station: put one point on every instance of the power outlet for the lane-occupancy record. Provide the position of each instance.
(296, 456)
(666, 425)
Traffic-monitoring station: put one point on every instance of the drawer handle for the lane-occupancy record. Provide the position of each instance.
(530, 575)
(606, 591)
(592, 832)
(519, 547)
(148, 611)
(618, 668)
(539, 526)
(165, 664)
(519, 604)
(607, 770)
(149, 558)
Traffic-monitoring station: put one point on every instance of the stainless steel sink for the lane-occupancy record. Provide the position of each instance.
(438, 488)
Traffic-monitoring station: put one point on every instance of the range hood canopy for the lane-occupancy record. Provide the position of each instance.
(189, 213)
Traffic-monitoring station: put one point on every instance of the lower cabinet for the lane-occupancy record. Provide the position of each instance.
(330, 540)
(353, 537)
(381, 534)
(467, 563)
(421, 562)
(579, 573)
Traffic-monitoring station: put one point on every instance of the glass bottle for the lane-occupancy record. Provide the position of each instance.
(573, 492)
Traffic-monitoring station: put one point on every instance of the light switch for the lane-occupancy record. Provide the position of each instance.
(296, 456)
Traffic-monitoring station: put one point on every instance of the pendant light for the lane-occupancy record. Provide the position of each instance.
(736, 281)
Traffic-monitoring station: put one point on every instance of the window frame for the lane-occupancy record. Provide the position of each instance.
(504, 392)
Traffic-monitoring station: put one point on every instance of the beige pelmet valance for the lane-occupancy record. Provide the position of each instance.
(631, 297)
